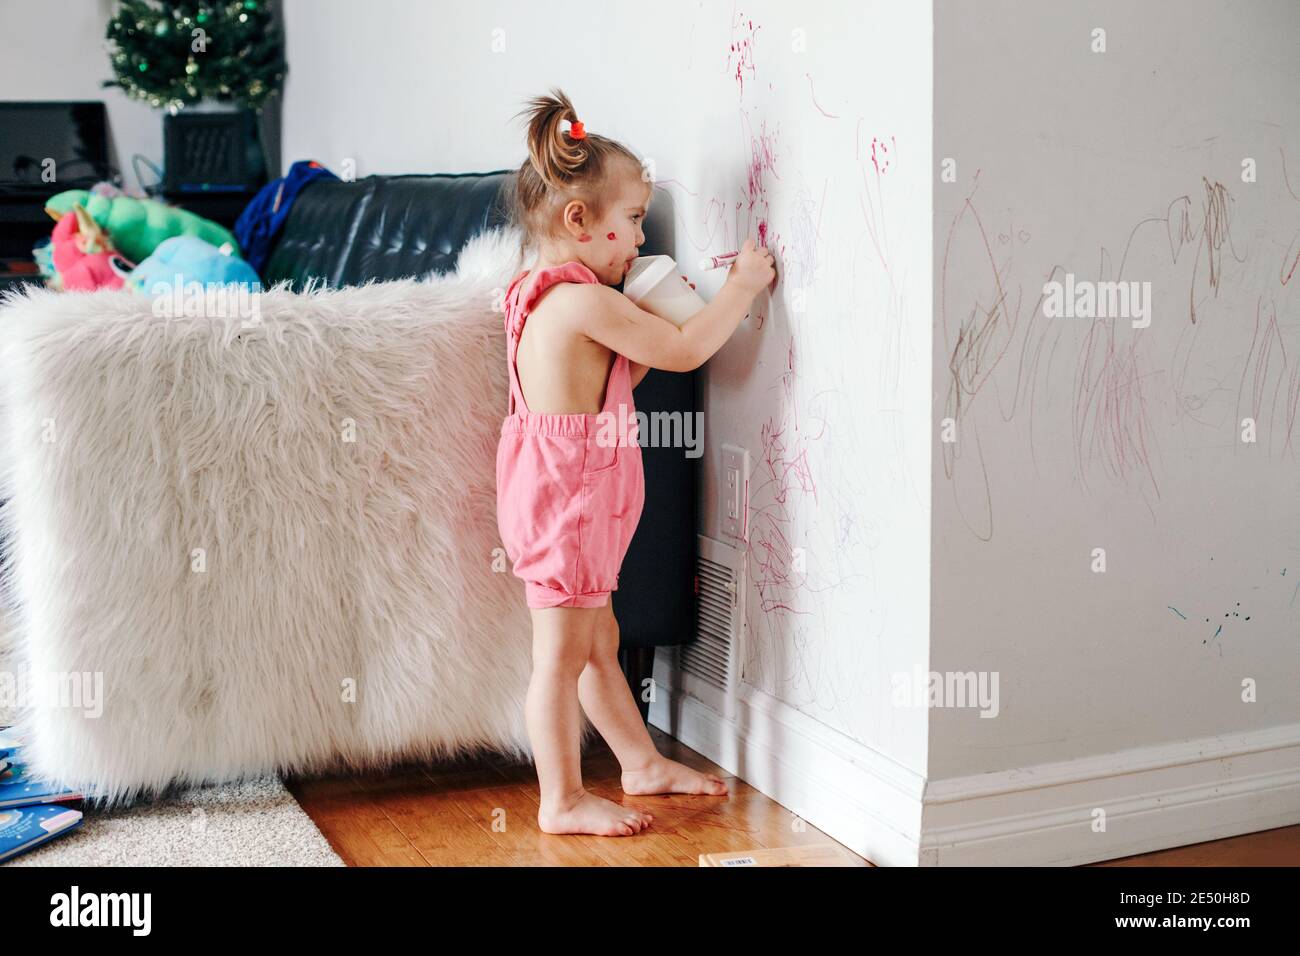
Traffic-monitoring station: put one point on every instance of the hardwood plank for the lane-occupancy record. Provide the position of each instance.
(358, 830)
(1277, 847)
(441, 814)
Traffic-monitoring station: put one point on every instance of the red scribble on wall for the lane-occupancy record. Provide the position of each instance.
(872, 200)
(1181, 231)
(762, 161)
(1110, 410)
(782, 468)
(762, 164)
(1259, 367)
(881, 155)
(740, 57)
(726, 221)
(800, 255)
(1292, 257)
(1216, 219)
(985, 334)
(814, 99)
(717, 234)
(1110, 419)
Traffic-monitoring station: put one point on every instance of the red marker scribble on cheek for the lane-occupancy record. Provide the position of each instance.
(611, 236)
(584, 238)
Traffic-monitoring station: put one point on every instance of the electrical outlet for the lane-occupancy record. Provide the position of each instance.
(733, 502)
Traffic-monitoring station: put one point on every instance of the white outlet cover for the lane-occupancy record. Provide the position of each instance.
(735, 461)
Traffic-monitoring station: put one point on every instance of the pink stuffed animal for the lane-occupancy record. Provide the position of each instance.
(83, 253)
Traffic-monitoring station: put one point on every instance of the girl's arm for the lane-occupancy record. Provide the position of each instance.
(638, 372)
(609, 317)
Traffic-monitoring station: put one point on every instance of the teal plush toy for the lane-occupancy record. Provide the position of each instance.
(137, 226)
(194, 261)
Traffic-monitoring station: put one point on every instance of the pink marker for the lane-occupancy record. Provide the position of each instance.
(717, 262)
(726, 259)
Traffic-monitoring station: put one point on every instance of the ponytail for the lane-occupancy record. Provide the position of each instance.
(562, 165)
(555, 155)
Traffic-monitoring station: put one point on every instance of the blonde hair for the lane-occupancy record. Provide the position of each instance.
(560, 169)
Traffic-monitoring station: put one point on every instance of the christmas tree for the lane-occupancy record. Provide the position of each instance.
(174, 54)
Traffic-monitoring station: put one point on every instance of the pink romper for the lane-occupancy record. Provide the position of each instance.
(570, 487)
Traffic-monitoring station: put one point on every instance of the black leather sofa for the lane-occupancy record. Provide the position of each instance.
(392, 227)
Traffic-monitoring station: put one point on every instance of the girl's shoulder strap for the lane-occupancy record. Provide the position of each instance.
(568, 272)
(517, 310)
(508, 303)
(514, 282)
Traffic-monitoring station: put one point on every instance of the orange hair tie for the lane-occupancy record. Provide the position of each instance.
(576, 131)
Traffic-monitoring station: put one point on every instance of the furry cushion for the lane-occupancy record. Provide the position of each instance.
(275, 544)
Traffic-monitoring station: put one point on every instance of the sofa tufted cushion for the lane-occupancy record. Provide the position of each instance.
(385, 227)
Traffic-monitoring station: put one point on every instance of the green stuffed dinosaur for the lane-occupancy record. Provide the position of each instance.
(137, 226)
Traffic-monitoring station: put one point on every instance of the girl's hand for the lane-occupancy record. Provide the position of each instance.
(752, 268)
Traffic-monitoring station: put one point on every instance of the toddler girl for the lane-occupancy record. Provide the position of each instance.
(569, 481)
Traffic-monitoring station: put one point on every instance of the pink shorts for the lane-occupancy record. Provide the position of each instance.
(568, 506)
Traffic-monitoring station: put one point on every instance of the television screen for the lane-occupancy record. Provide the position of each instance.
(73, 135)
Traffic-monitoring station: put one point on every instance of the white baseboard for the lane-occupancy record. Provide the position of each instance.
(1153, 797)
(859, 797)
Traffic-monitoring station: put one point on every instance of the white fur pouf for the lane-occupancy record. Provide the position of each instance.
(272, 547)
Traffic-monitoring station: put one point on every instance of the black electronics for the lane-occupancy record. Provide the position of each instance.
(48, 147)
(212, 152)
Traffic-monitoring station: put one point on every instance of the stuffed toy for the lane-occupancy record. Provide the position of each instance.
(137, 226)
(43, 256)
(194, 261)
(82, 254)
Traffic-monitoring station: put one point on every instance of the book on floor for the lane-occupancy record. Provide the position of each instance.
(10, 739)
(22, 828)
(18, 788)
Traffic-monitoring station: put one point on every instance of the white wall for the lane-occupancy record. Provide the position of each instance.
(1077, 434)
(831, 402)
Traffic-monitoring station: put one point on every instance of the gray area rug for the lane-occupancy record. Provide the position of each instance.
(254, 823)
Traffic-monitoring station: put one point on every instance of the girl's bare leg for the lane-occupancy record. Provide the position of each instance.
(608, 702)
(562, 638)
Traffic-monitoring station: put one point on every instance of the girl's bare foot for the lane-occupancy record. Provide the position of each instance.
(669, 776)
(589, 813)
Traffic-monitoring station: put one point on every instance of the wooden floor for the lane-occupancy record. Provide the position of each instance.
(483, 812)
(443, 816)
(1280, 847)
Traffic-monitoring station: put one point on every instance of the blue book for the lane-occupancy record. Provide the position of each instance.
(10, 739)
(22, 828)
(19, 789)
